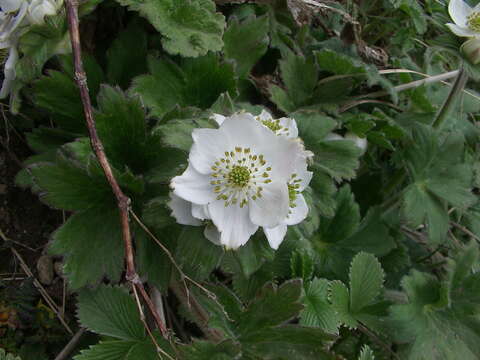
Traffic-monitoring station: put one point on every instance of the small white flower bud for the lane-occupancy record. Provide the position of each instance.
(360, 142)
(471, 50)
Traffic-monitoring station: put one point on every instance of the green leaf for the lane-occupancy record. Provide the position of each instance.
(272, 306)
(123, 130)
(153, 262)
(110, 311)
(366, 281)
(439, 321)
(366, 353)
(337, 158)
(301, 264)
(197, 256)
(203, 350)
(126, 57)
(296, 341)
(195, 82)
(299, 75)
(340, 299)
(125, 350)
(7, 356)
(246, 42)
(313, 126)
(318, 311)
(92, 244)
(343, 64)
(189, 27)
(439, 175)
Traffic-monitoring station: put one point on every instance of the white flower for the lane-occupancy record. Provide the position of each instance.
(38, 9)
(237, 176)
(466, 19)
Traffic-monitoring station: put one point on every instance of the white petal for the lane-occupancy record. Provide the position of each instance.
(462, 31)
(265, 115)
(233, 222)
(200, 212)
(182, 211)
(476, 7)
(10, 5)
(208, 146)
(219, 119)
(9, 72)
(275, 235)
(272, 208)
(459, 10)
(302, 173)
(38, 9)
(193, 186)
(290, 125)
(299, 212)
(212, 234)
(9, 25)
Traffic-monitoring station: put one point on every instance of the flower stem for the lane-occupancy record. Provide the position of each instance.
(451, 100)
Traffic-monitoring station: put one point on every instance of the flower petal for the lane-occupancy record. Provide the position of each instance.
(182, 211)
(200, 212)
(10, 5)
(193, 186)
(208, 146)
(290, 127)
(272, 208)
(9, 72)
(462, 31)
(275, 235)
(265, 115)
(299, 212)
(219, 119)
(302, 174)
(212, 234)
(459, 11)
(233, 222)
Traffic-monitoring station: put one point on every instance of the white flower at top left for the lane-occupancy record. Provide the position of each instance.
(237, 176)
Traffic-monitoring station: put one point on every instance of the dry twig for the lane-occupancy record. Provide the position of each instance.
(123, 201)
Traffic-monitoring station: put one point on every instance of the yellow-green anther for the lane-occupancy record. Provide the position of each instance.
(473, 21)
(239, 176)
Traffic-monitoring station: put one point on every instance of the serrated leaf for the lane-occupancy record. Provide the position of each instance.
(313, 126)
(301, 264)
(195, 82)
(296, 341)
(124, 350)
(343, 64)
(337, 158)
(299, 75)
(86, 262)
(197, 256)
(246, 42)
(340, 299)
(189, 27)
(123, 130)
(318, 311)
(7, 356)
(126, 57)
(272, 306)
(110, 311)
(178, 133)
(366, 353)
(203, 350)
(366, 281)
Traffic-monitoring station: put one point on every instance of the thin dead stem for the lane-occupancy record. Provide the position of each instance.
(123, 201)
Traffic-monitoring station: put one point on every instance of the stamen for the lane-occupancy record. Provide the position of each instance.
(473, 21)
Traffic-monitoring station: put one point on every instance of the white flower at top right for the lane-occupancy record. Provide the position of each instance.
(466, 19)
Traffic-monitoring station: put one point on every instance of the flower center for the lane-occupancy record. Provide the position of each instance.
(473, 21)
(273, 125)
(238, 176)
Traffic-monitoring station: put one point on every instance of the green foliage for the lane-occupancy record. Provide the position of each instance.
(7, 356)
(440, 309)
(246, 42)
(439, 176)
(110, 311)
(189, 28)
(195, 82)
